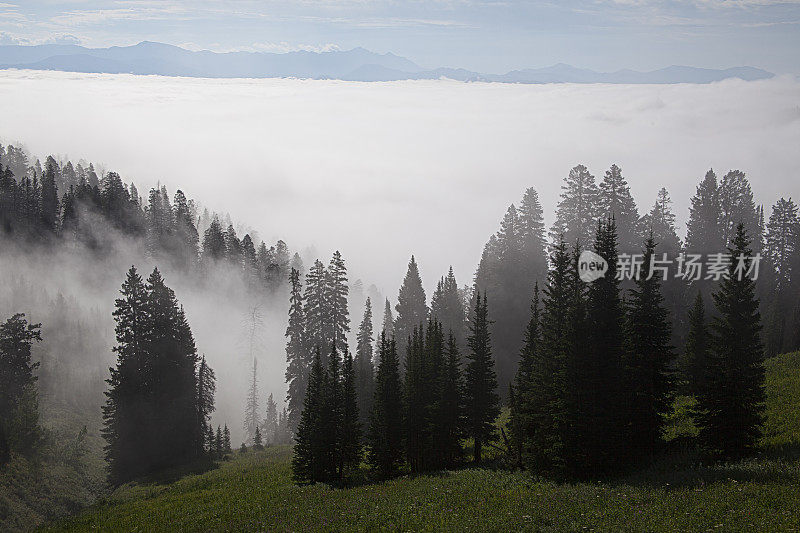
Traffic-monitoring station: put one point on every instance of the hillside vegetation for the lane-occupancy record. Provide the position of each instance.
(254, 492)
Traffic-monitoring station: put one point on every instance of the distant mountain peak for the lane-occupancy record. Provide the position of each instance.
(357, 64)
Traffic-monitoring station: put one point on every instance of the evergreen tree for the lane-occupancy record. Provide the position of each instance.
(210, 442)
(336, 291)
(529, 392)
(482, 402)
(615, 200)
(68, 176)
(512, 264)
(281, 262)
(318, 329)
(263, 262)
(19, 430)
(153, 417)
(206, 388)
(449, 420)
(704, 233)
(731, 395)
(233, 248)
(607, 380)
(117, 207)
(308, 461)
(782, 251)
(219, 447)
(364, 369)
(213, 243)
(508, 286)
(258, 442)
(186, 234)
(647, 360)
(332, 415)
(695, 358)
(388, 320)
(532, 231)
(271, 421)
(250, 262)
(298, 355)
(578, 209)
(172, 385)
(433, 364)
(738, 207)
(10, 212)
(125, 407)
(351, 447)
(69, 215)
(448, 308)
(226, 439)
(284, 434)
(411, 307)
(417, 415)
(549, 421)
(160, 223)
(660, 221)
(783, 232)
(49, 200)
(385, 438)
(91, 177)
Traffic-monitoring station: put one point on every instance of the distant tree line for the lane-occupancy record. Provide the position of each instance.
(515, 258)
(593, 367)
(75, 205)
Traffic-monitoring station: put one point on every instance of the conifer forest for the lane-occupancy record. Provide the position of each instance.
(375, 266)
(528, 366)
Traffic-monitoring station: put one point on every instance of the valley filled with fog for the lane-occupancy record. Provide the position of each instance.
(379, 171)
(384, 170)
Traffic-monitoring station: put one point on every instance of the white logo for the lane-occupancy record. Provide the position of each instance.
(591, 266)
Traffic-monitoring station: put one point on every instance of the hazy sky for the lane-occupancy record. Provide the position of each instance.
(384, 170)
(484, 35)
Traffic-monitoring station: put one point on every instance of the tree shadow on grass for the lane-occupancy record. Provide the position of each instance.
(688, 467)
(365, 477)
(171, 475)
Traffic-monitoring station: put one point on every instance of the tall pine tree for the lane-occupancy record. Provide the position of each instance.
(731, 397)
(385, 437)
(298, 353)
(578, 210)
(647, 359)
(364, 369)
(308, 461)
(411, 307)
(481, 399)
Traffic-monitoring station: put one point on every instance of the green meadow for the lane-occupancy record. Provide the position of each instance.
(253, 491)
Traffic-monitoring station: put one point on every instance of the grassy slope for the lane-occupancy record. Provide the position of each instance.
(254, 492)
(61, 478)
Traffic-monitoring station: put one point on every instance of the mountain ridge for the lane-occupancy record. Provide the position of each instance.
(356, 64)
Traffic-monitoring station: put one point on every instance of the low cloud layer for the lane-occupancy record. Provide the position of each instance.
(384, 170)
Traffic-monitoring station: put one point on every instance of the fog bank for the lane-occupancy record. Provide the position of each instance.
(384, 170)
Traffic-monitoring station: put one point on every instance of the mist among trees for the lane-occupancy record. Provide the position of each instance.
(585, 373)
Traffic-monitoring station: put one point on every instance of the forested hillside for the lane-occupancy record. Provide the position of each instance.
(68, 236)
